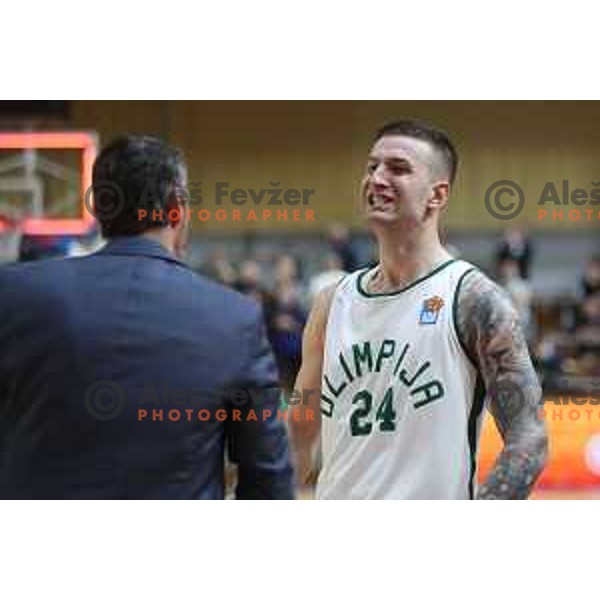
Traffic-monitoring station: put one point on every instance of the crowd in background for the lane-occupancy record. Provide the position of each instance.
(566, 349)
(563, 333)
(572, 350)
(286, 294)
(279, 282)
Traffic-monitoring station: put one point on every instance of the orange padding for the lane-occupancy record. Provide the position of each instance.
(574, 435)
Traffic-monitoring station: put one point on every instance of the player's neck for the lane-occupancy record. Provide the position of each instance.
(402, 259)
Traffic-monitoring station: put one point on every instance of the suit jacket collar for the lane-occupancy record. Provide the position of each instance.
(138, 245)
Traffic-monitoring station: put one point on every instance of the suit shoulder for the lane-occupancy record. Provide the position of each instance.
(23, 273)
(227, 297)
(35, 285)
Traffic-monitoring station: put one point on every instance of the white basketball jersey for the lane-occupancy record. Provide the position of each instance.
(400, 412)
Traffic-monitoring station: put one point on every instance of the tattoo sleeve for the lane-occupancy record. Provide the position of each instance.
(489, 328)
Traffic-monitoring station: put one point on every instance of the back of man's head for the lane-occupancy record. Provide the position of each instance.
(133, 173)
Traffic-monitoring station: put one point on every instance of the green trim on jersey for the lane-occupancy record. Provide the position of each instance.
(455, 316)
(476, 410)
(479, 392)
(364, 292)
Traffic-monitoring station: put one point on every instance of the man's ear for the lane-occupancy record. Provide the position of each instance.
(175, 208)
(439, 197)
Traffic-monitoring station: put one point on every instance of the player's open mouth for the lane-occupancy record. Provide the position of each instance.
(378, 202)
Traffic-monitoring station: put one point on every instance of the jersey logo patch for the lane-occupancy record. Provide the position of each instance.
(431, 310)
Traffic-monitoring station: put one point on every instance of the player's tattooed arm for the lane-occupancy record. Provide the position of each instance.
(489, 328)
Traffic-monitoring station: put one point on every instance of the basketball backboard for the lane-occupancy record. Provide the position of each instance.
(44, 180)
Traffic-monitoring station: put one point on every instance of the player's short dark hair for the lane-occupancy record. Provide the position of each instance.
(134, 172)
(422, 131)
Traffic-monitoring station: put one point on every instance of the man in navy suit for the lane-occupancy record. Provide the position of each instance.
(123, 374)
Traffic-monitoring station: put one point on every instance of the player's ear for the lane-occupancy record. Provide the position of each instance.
(439, 196)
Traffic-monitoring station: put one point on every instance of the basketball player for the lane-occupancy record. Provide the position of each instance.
(405, 355)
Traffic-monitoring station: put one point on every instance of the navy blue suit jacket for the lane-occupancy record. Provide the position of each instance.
(88, 344)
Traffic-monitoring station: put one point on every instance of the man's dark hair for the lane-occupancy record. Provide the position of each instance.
(435, 137)
(134, 172)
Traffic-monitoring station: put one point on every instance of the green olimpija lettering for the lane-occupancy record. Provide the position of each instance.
(385, 414)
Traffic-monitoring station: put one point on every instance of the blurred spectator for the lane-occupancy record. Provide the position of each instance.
(520, 292)
(220, 269)
(587, 335)
(575, 352)
(341, 244)
(252, 283)
(251, 280)
(589, 364)
(287, 271)
(38, 247)
(331, 274)
(286, 325)
(590, 283)
(515, 246)
(556, 353)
